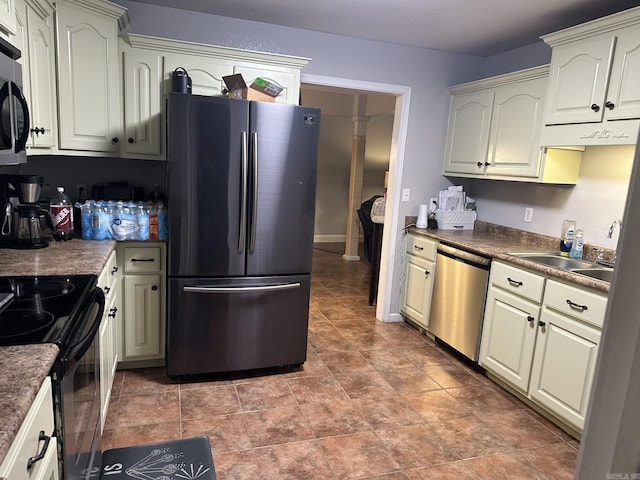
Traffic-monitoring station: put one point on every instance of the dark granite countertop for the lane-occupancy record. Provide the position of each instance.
(23, 368)
(498, 242)
(22, 371)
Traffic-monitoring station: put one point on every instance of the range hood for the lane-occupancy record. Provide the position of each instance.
(612, 132)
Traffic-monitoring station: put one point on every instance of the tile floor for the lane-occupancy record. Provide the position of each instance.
(373, 401)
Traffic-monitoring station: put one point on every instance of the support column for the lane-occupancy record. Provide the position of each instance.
(360, 121)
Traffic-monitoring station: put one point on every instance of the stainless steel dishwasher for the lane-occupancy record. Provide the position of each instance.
(457, 302)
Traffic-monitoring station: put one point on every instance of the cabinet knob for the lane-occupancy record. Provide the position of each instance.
(114, 140)
(479, 164)
(610, 105)
(112, 312)
(114, 270)
(107, 289)
(154, 288)
(530, 319)
(595, 107)
(37, 130)
(130, 140)
(487, 164)
(541, 323)
(427, 272)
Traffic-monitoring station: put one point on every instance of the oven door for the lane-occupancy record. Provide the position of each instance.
(78, 396)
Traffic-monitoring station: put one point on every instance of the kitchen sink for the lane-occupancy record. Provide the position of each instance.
(563, 263)
(573, 265)
(604, 274)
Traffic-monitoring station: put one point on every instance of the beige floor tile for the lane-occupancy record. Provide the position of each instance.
(278, 425)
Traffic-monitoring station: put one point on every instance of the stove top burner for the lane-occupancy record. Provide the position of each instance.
(42, 309)
(38, 288)
(17, 324)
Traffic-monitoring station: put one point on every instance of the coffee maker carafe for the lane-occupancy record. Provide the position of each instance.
(21, 227)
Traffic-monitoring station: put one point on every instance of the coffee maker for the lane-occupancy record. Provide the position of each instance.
(21, 215)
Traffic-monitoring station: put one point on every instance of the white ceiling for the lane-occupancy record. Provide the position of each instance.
(475, 27)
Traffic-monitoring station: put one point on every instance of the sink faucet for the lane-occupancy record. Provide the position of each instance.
(613, 227)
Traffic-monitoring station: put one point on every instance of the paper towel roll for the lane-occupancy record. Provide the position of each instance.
(422, 216)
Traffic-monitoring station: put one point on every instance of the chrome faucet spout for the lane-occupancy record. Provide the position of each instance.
(613, 226)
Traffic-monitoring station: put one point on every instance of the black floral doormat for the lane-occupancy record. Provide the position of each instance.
(186, 459)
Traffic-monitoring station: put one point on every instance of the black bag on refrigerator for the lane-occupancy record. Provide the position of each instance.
(180, 81)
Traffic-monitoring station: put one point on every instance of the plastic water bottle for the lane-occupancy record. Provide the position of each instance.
(61, 211)
(163, 226)
(143, 221)
(86, 220)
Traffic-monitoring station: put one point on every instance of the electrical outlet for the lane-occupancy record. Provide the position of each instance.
(405, 194)
(528, 214)
(81, 191)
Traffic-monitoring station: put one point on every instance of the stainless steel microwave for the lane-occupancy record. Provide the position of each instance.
(14, 113)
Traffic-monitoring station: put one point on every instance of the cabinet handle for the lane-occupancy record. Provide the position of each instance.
(595, 107)
(541, 323)
(154, 288)
(130, 140)
(40, 456)
(577, 306)
(37, 130)
(610, 105)
(479, 164)
(143, 259)
(530, 319)
(514, 282)
(112, 312)
(114, 270)
(114, 140)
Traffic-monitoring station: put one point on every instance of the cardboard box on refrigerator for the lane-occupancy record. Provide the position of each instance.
(260, 89)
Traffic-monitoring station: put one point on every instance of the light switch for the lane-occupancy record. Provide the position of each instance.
(405, 194)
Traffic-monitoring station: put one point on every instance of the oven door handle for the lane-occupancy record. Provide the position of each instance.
(80, 348)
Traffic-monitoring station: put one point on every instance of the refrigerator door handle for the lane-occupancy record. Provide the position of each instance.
(243, 193)
(254, 210)
(266, 288)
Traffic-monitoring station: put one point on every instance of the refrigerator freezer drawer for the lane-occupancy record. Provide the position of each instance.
(229, 324)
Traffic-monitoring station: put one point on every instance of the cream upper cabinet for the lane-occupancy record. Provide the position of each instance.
(593, 97)
(7, 16)
(90, 105)
(143, 71)
(35, 38)
(468, 132)
(419, 270)
(494, 131)
(206, 73)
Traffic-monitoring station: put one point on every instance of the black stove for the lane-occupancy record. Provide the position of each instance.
(43, 308)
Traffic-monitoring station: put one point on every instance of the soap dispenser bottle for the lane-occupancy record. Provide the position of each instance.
(576, 248)
(567, 236)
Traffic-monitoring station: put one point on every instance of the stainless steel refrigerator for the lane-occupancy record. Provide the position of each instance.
(241, 194)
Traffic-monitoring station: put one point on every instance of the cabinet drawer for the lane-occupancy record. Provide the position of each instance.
(422, 247)
(27, 442)
(142, 260)
(578, 303)
(520, 282)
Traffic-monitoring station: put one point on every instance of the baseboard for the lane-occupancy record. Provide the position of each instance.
(329, 238)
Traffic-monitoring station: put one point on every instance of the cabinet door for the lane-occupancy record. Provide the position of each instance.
(563, 366)
(88, 80)
(206, 73)
(623, 97)
(416, 300)
(578, 80)
(7, 16)
(42, 92)
(508, 337)
(143, 113)
(468, 133)
(516, 120)
(142, 317)
(105, 340)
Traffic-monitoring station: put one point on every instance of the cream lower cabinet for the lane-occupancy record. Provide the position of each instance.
(29, 442)
(89, 100)
(109, 281)
(144, 302)
(419, 269)
(545, 347)
(566, 350)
